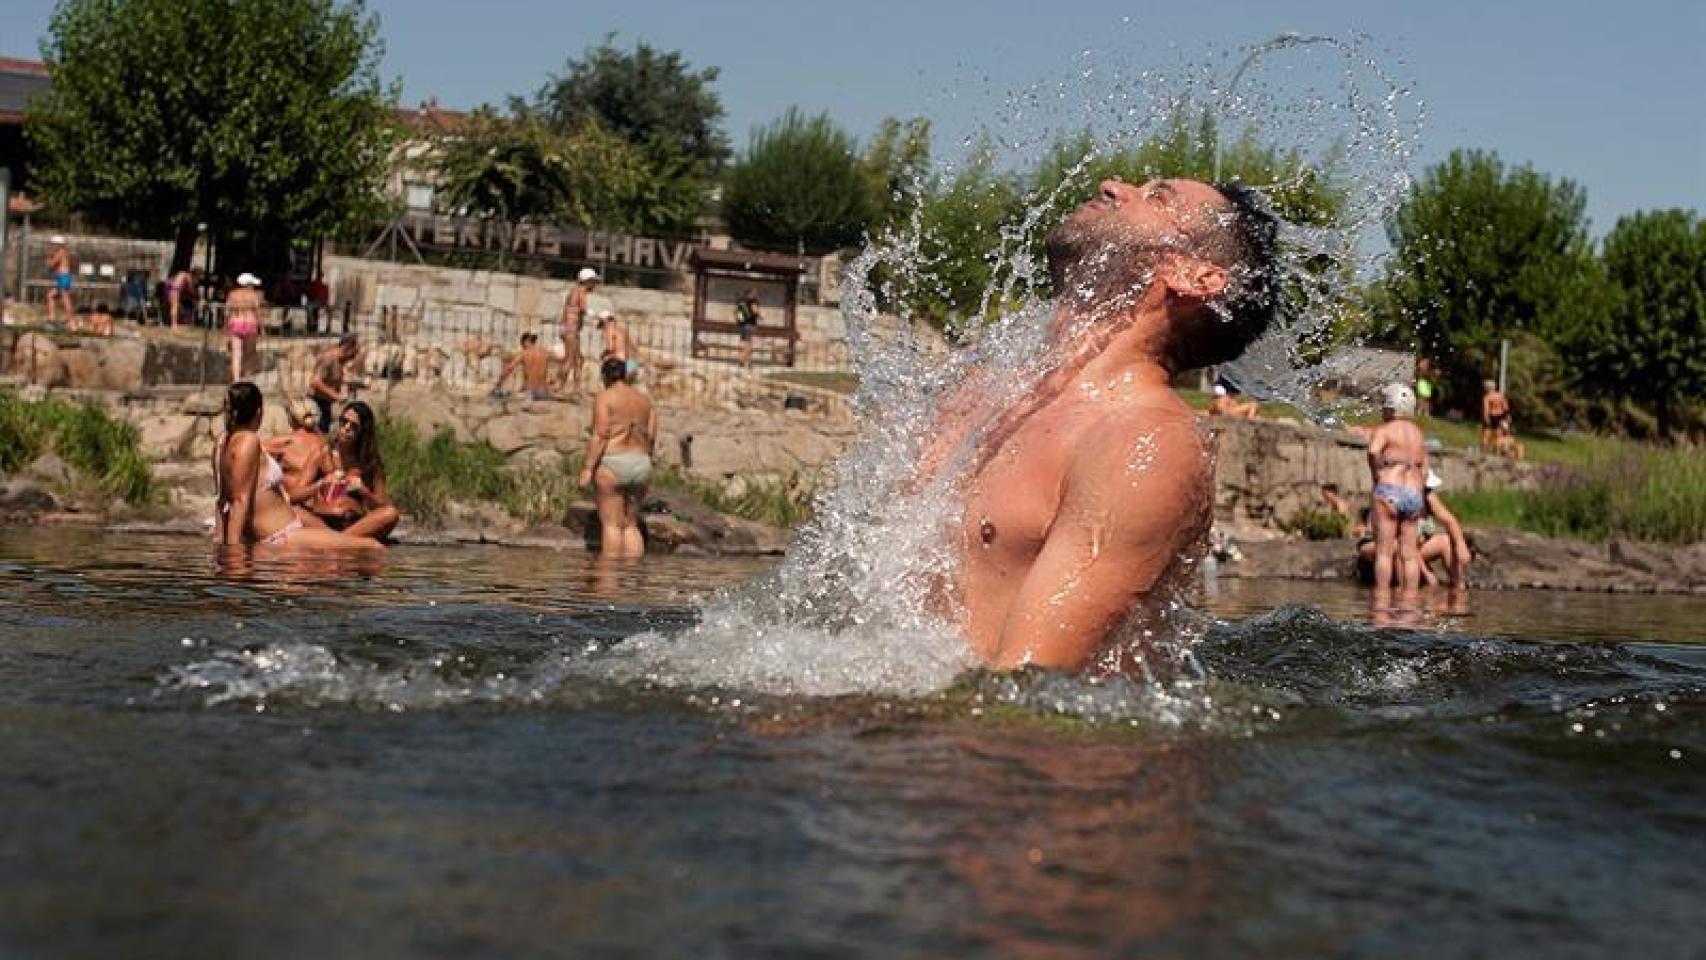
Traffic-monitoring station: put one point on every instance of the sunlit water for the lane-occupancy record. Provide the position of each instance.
(416, 760)
(513, 753)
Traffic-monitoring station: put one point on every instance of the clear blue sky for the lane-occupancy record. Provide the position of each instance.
(1612, 95)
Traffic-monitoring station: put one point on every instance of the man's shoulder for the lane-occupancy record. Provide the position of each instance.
(1162, 432)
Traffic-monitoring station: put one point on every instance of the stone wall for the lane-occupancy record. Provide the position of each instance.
(524, 303)
(1268, 470)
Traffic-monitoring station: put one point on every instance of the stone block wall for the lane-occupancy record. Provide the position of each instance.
(1267, 470)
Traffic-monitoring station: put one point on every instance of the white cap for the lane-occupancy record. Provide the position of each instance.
(1220, 389)
(248, 280)
(607, 314)
(587, 273)
(57, 239)
(1398, 398)
(1434, 481)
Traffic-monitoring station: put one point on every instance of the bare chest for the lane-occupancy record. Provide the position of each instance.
(1014, 494)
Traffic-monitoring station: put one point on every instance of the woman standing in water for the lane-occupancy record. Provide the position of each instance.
(249, 487)
(352, 490)
(619, 460)
(243, 322)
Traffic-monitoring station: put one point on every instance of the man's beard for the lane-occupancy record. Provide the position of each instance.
(1096, 263)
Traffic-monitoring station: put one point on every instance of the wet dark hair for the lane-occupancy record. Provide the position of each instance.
(613, 370)
(365, 454)
(528, 338)
(1246, 243)
(242, 405)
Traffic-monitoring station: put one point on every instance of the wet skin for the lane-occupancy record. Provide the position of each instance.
(1088, 495)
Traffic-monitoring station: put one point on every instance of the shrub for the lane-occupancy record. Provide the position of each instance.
(1316, 524)
(84, 435)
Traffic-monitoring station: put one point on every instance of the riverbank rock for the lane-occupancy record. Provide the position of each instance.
(24, 500)
(37, 359)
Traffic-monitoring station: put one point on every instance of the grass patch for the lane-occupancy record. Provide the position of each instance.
(424, 475)
(84, 435)
(1622, 489)
(778, 501)
(1315, 524)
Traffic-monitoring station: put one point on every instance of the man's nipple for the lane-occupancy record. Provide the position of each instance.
(986, 532)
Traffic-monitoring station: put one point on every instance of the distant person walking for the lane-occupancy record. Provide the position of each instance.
(1424, 387)
(1398, 463)
(747, 316)
(59, 269)
(183, 290)
(574, 319)
(1495, 415)
(326, 385)
(243, 322)
(619, 459)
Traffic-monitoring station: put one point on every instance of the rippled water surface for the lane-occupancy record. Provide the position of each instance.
(431, 758)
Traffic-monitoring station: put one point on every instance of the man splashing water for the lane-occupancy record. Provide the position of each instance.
(1086, 500)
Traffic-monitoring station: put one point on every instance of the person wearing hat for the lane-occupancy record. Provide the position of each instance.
(59, 268)
(574, 317)
(1398, 463)
(243, 322)
(1227, 405)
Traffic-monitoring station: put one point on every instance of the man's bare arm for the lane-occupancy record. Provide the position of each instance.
(1129, 507)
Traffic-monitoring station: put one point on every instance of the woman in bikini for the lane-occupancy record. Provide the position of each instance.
(243, 322)
(351, 493)
(301, 452)
(252, 507)
(619, 460)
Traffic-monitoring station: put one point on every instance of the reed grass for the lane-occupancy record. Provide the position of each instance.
(84, 435)
(425, 474)
(1621, 489)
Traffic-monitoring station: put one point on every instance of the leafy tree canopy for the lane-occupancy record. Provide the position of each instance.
(265, 117)
(1480, 252)
(800, 185)
(1650, 346)
(651, 97)
(517, 168)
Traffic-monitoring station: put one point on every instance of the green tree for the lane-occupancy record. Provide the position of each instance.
(897, 164)
(265, 119)
(965, 234)
(800, 185)
(1650, 346)
(516, 168)
(1481, 252)
(651, 97)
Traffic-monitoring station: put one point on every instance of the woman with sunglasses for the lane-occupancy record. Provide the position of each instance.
(253, 508)
(351, 494)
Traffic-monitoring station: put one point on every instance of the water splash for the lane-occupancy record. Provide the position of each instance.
(858, 605)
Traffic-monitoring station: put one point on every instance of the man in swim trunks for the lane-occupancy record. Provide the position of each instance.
(326, 386)
(1086, 501)
(619, 460)
(1495, 415)
(534, 364)
(1398, 463)
(59, 268)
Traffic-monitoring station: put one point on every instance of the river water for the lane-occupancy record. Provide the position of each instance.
(420, 759)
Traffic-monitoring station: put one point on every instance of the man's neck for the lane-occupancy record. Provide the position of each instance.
(1116, 351)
